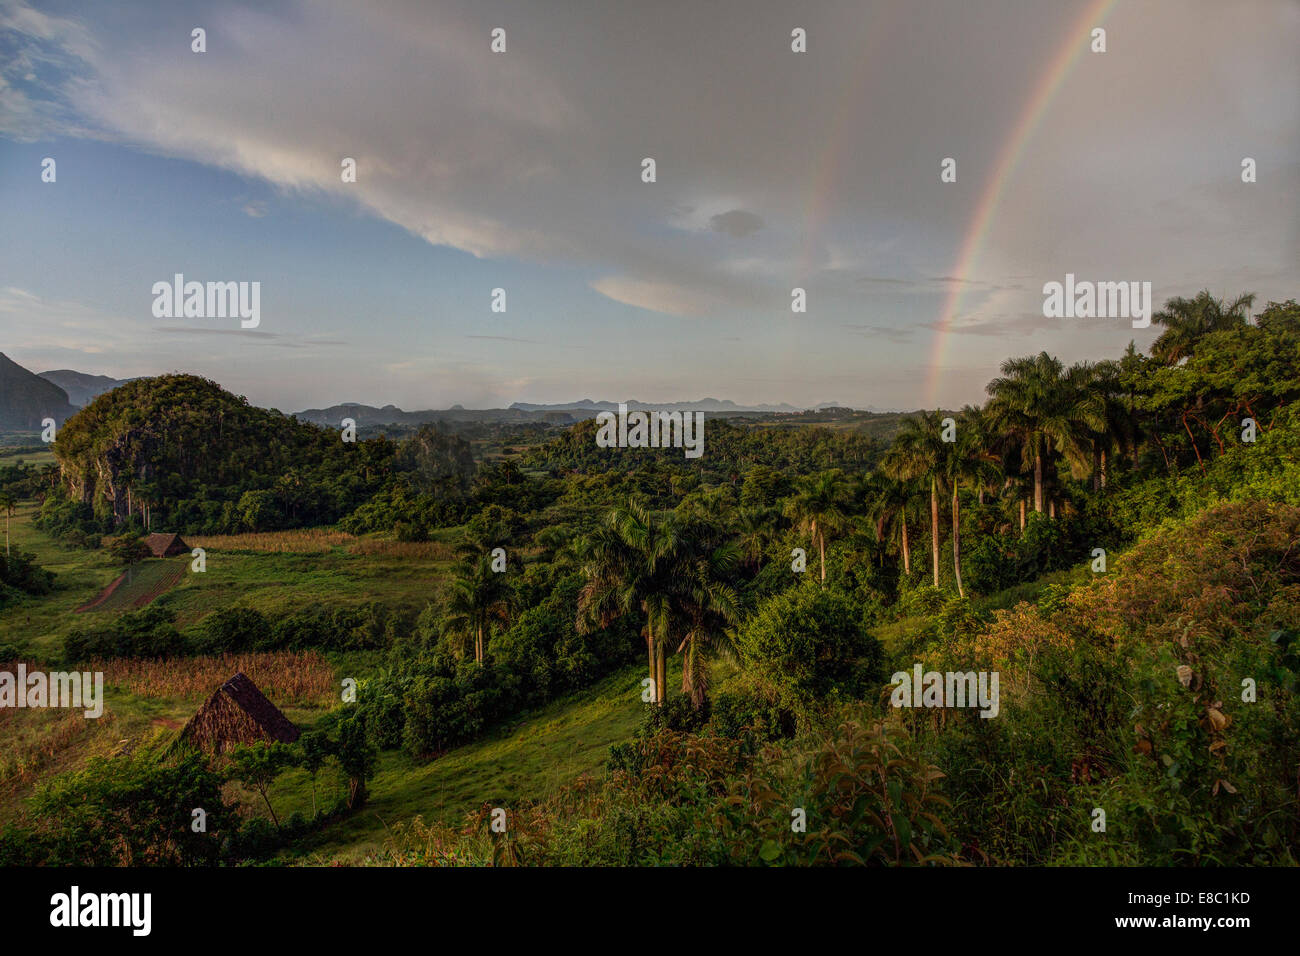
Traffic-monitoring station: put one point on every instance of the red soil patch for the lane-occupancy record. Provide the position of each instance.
(103, 596)
(164, 584)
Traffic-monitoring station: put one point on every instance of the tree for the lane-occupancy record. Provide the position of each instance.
(1048, 410)
(313, 749)
(888, 502)
(9, 504)
(356, 756)
(629, 565)
(128, 551)
(479, 596)
(966, 460)
(1187, 321)
(256, 766)
(819, 507)
(704, 600)
(916, 455)
(754, 530)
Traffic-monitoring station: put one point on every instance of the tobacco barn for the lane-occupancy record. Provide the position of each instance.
(166, 545)
(237, 713)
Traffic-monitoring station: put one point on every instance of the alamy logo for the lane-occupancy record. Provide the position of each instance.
(74, 908)
(651, 430)
(211, 300)
(1099, 300)
(950, 689)
(56, 689)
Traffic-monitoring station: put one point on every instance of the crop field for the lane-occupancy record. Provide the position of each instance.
(276, 578)
(139, 586)
(301, 541)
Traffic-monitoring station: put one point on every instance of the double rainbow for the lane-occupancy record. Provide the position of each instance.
(1076, 42)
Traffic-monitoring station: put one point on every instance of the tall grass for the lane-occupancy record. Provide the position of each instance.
(300, 541)
(288, 677)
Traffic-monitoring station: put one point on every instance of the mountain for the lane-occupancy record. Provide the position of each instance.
(718, 406)
(26, 398)
(81, 387)
(365, 415)
(562, 413)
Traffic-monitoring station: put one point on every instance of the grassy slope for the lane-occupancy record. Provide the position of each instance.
(528, 758)
(524, 759)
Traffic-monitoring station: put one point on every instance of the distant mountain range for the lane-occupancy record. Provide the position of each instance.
(703, 405)
(82, 389)
(26, 399)
(564, 413)
(392, 415)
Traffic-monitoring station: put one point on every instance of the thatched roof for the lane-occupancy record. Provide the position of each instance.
(238, 713)
(165, 545)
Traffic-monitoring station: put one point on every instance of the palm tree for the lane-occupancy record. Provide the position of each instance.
(1102, 381)
(820, 508)
(704, 600)
(967, 460)
(916, 455)
(1046, 408)
(675, 569)
(479, 596)
(754, 529)
(1186, 321)
(889, 501)
(628, 563)
(9, 504)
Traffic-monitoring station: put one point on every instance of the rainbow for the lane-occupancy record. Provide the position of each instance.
(1076, 42)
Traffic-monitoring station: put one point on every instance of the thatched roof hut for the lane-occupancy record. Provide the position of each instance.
(166, 545)
(238, 713)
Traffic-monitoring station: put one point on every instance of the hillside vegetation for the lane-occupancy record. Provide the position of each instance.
(630, 657)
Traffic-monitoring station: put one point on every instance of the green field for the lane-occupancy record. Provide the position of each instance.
(140, 585)
(274, 582)
(527, 758)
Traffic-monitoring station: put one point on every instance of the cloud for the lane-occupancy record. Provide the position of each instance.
(736, 223)
(533, 156)
(656, 296)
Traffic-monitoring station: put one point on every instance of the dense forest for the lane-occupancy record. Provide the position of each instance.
(1119, 540)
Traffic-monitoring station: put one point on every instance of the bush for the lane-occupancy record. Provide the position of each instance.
(807, 644)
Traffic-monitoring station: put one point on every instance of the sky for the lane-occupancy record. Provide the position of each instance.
(522, 170)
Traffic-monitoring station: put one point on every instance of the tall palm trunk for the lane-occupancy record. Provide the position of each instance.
(661, 680)
(956, 539)
(907, 551)
(1022, 515)
(654, 663)
(1103, 469)
(821, 544)
(478, 644)
(1038, 482)
(934, 526)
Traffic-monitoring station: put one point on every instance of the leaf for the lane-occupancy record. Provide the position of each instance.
(1184, 675)
(770, 851)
